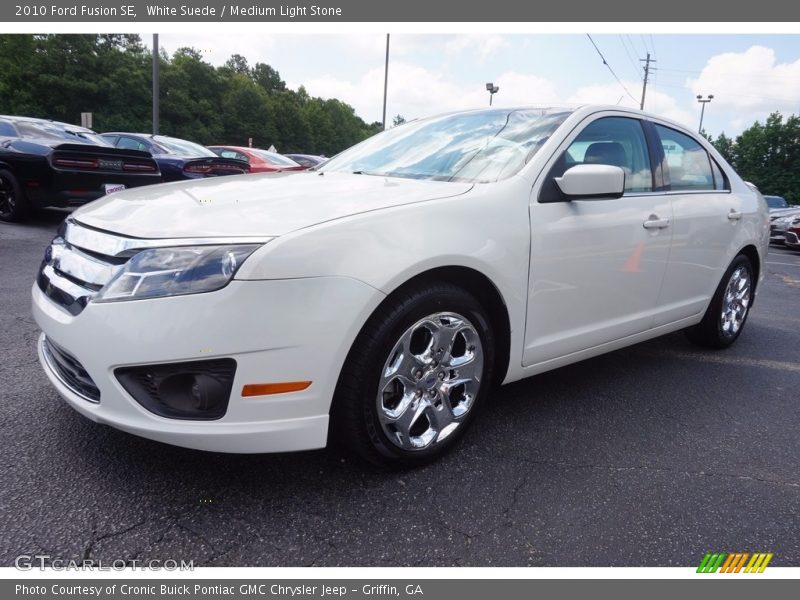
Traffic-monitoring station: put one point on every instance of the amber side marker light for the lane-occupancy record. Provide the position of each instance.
(265, 389)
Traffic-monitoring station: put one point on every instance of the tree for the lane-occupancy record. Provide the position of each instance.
(398, 120)
(724, 146)
(238, 64)
(769, 156)
(60, 76)
(268, 78)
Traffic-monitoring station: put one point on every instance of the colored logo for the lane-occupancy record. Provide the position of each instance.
(735, 562)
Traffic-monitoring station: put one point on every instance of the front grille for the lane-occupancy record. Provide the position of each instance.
(77, 264)
(70, 371)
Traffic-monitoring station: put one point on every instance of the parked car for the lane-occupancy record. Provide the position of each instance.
(780, 223)
(776, 203)
(260, 161)
(792, 235)
(307, 160)
(48, 163)
(381, 297)
(179, 159)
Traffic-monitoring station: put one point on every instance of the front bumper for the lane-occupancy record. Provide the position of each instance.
(792, 240)
(276, 331)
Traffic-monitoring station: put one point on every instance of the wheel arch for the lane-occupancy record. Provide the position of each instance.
(485, 292)
(751, 252)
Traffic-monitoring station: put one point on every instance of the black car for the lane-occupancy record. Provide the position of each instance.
(178, 159)
(47, 163)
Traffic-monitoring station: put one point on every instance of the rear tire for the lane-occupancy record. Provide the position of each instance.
(14, 205)
(727, 314)
(415, 376)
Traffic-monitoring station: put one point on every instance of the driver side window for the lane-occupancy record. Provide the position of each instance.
(615, 141)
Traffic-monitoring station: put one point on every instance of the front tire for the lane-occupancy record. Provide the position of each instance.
(726, 315)
(14, 205)
(416, 374)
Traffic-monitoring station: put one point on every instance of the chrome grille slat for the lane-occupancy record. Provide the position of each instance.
(70, 371)
(112, 245)
(82, 267)
(63, 291)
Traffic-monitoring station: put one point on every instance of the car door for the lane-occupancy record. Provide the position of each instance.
(596, 265)
(705, 217)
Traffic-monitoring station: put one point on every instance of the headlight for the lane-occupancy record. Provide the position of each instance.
(163, 272)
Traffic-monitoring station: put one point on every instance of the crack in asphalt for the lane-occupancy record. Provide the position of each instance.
(788, 483)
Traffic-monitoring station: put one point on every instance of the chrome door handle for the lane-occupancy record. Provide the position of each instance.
(655, 223)
(734, 215)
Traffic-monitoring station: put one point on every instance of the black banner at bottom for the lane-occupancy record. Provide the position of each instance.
(405, 589)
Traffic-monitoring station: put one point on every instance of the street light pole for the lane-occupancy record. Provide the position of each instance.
(156, 92)
(703, 102)
(492, 89)
(385, 80)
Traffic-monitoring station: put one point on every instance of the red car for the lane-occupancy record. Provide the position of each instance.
(261, 161)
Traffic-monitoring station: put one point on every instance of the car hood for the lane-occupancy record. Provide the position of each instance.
(253, 205)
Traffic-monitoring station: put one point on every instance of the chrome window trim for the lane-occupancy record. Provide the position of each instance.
(675, 193)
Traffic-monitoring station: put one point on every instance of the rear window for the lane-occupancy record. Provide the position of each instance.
(57, 131)
(690, 166)
(7, 129)
(182, 147)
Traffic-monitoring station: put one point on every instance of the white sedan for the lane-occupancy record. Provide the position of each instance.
(379, 298)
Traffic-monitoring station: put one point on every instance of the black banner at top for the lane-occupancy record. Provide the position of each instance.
(451, 11)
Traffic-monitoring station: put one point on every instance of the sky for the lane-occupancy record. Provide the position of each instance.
(749, 76)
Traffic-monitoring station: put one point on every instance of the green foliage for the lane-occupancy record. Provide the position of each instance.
(60, 76)
(768, 155)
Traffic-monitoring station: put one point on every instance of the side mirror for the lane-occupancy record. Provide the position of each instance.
(592, 182)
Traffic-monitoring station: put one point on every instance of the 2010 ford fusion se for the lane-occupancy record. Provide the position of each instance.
(378, 298)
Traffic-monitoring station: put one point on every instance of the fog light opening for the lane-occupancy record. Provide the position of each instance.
(197, 390)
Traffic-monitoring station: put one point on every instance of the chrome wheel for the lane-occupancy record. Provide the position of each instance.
(735, 302)
(429, 381)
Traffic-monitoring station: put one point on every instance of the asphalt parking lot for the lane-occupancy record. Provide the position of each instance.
(652, 455)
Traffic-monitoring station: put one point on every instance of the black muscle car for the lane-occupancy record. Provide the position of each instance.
(47, 163)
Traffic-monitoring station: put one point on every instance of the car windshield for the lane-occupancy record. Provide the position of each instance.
(274, 158)
(482, 146)
(182, 147)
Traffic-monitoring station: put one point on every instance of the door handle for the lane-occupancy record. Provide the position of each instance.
(734, 215)
(653, 222)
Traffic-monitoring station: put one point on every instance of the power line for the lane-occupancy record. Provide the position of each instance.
(644, 43)
(757, 97)
(630, 56)
(605, 62)
(635, 49)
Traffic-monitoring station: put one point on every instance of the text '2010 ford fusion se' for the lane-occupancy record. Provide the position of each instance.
(378, 298)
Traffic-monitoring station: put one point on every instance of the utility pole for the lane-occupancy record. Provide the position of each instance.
(156, 93)
(385, 80)
(646, 62)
